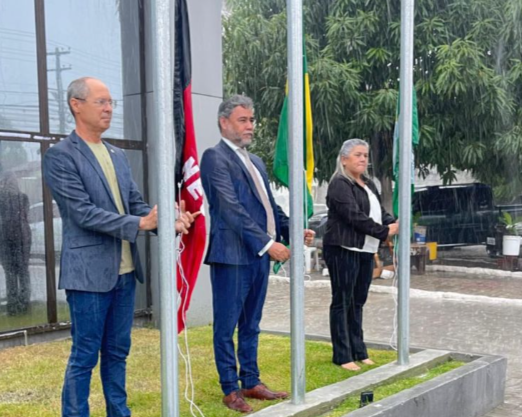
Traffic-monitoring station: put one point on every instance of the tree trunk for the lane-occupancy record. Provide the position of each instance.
(379, 148)
(386, 193)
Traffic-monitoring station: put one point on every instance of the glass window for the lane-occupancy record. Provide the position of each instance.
(23, 292)
(90, 46)
(19, 108)
(61, 299)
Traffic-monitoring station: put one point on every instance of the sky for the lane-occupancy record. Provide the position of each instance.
(90, 35)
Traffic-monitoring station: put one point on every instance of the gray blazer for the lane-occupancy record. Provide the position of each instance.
(92, 227)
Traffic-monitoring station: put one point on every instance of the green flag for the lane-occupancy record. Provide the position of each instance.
(396, 153)
(281, 165)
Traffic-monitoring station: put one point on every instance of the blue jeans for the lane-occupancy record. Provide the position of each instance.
(239, 292)
(101, 326)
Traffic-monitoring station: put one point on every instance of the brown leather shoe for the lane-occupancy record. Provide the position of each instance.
(261, 392)
(236, 402)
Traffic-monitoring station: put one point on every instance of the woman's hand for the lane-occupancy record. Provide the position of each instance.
(393, 229)
(309, 236)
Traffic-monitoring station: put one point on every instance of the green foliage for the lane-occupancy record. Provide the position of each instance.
(12, 155)
(352, 403)
(416, 217)
(509, 223)
(467, 72)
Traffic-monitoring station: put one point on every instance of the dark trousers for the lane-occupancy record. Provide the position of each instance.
(101, 326)
(15, 261)
(238, 295)
(351, 276)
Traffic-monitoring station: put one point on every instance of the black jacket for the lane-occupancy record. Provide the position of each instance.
(348, 214)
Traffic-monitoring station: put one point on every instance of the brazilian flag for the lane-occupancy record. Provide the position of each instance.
(281, 165)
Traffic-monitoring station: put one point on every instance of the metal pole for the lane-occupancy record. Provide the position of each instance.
(162, 53)
(59, 85)
(59, 92)
(405, 173)
(295, 150)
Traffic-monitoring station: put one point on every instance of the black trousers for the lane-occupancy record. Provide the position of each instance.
(14, 258)
(351, 276)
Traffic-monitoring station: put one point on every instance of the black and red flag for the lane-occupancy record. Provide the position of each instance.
(188, 182)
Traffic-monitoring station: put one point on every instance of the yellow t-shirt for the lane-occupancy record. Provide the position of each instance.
(104, 159)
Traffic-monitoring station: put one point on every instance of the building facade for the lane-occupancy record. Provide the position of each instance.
(44, 45)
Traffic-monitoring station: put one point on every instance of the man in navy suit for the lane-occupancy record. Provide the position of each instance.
(102, 212)
(246, 231)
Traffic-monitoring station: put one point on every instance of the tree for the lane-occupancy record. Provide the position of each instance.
(467, 72)
(12, 155)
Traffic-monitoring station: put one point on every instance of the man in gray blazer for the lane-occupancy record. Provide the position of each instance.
(102, 211)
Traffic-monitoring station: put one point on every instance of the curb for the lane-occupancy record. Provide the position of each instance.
(475, 271)
(415, 293)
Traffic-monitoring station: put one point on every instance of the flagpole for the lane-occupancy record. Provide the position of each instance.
(295, 151)
(162, 21)
(405, 149)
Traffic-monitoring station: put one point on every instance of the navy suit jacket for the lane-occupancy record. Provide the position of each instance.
(238, 217)
(92, 227)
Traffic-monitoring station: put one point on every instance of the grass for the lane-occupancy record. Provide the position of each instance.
(387, 390)
(31, 377)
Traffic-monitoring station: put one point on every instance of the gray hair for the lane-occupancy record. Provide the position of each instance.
(227, 106)
(77, 89)
(345, 150)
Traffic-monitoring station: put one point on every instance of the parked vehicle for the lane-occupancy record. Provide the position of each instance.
(318, 224)
(457, 214)
(453, 215)
(36, 223)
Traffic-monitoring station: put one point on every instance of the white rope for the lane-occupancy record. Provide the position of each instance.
(189, 393)
(395, 283)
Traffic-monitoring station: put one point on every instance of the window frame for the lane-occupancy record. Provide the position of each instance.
(46, 139)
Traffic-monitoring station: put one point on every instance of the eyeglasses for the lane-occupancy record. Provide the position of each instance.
(102, 102)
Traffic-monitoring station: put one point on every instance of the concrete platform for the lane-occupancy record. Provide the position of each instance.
(469, 391)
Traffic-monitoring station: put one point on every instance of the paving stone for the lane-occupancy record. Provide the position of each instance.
(441, 324)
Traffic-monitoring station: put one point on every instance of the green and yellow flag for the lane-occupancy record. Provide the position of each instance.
(281, 165)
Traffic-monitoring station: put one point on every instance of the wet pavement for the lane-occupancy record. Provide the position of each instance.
(475, 326)
(469, 256)
(464, 284)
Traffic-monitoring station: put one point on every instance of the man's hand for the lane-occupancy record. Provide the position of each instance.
(150, 221)
(185, 219)
(279, 252)
(309, 236)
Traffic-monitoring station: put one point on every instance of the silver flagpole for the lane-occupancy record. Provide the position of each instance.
(405, 129)
(295, 150)
(162, 60)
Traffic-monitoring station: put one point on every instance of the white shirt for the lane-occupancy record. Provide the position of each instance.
(236, 148)
(371, 244)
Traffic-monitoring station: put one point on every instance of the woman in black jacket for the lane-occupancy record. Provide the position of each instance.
(356, 224)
